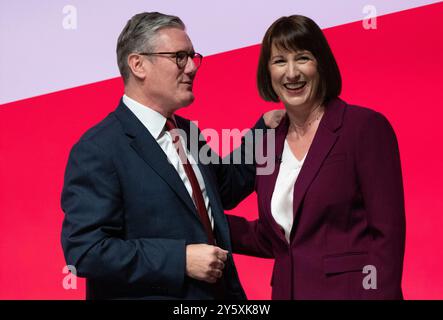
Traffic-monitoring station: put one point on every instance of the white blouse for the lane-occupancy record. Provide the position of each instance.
(282, 198)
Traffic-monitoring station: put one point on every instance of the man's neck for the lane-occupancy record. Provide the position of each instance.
(145, 101)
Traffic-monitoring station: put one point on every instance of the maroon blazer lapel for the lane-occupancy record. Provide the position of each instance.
(268, 181)
(324, 139)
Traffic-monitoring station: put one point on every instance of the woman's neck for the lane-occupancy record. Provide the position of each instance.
(301, 120)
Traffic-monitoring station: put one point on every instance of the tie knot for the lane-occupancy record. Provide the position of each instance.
(170, 124)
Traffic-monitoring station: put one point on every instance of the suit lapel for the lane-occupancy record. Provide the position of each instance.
(149, 150)
(220, 222)
(269, 180)
(325, 138)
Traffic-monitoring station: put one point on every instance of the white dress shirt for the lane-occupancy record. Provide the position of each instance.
(155, 123)
(282, 199)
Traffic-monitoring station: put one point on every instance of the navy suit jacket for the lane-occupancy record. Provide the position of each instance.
(348, 210)
(128, 215)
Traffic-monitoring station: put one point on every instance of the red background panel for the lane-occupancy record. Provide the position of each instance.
(395, 69)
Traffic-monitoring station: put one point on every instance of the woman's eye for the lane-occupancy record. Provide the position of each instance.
(303, 58)
(279, 61)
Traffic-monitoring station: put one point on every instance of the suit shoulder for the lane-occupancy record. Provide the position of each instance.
(365, 116)
(103, 135)
(366, 123)
(105, 130)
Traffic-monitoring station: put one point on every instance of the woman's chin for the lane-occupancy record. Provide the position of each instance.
(295, 102)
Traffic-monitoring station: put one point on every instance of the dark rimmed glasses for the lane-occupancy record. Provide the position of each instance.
(181, 57)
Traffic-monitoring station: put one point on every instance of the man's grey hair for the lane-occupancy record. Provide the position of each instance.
(139, 36)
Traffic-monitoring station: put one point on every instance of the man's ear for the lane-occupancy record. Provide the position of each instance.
(137, 65)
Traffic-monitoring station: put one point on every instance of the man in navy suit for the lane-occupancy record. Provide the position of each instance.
(139, 223)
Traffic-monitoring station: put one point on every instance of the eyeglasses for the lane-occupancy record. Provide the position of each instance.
(181, 57)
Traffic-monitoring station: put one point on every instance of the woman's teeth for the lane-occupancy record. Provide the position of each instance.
(295, 85)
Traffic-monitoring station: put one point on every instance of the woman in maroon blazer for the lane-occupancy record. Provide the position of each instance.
(332, 212)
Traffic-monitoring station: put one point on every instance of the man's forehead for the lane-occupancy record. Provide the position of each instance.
(172, 39)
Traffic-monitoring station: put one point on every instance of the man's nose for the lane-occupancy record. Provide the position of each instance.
(190, 67)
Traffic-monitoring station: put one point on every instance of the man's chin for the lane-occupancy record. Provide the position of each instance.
(187, 101)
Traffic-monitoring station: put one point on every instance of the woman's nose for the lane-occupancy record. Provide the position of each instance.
(292, 72)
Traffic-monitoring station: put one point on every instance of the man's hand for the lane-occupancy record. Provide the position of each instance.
(205, 262)
(273, 118)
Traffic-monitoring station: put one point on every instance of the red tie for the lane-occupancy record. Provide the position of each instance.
(196, 191)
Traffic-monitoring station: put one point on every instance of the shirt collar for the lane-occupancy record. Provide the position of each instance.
(151, 119)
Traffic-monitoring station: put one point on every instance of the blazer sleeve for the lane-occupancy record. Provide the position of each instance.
(250, 237)
(93, 228)
(236, 171)
(380, 179)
